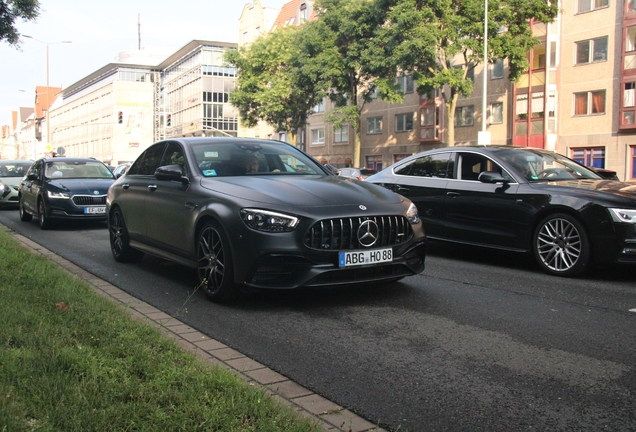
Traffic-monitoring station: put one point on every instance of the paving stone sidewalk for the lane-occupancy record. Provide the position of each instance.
(332, 416)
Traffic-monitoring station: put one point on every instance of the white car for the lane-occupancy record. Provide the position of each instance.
(11, 172)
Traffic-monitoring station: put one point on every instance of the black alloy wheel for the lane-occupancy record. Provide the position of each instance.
(214, 264)
(43, 219)
(24, 215)
(119, 239)
(561, 245)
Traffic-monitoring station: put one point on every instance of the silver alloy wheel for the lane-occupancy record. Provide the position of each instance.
(559, 244)
(211, 260)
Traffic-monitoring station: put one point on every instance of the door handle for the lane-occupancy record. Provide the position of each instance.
(152, 187)
(399, 188)
(453, 194)
(190, 206)
(125, 186)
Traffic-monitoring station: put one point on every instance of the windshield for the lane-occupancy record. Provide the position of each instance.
(14, 169)
(247, 158)
(76, 169)
(541, 166)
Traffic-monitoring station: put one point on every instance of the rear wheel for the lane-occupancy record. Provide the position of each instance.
(214, 263)
(24, 215)
(43, 219)
(119, 239)
(561, 245)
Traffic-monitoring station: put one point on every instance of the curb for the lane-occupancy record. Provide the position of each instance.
(333, 417)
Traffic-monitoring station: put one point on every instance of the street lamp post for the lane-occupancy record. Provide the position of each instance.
(48, 128)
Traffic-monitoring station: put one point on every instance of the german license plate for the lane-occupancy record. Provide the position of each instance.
(95, 210)
(366, 257)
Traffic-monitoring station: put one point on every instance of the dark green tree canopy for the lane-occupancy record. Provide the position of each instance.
(10, 12)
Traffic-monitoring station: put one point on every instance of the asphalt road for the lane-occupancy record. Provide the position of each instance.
(481, 341)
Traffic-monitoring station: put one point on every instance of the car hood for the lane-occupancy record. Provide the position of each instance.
(304, 191)
(82, 186)
(11, 181)
(624, 189)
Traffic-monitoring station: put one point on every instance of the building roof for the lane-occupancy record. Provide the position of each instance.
(289, 13)
(111, 68)
(44, 98)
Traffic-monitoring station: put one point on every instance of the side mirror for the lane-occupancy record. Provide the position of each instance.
(32, 176)
(492, 177)
(171, 172)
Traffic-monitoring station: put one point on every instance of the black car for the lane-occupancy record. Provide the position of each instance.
(260, 214)
(63, 188)
(520, 199)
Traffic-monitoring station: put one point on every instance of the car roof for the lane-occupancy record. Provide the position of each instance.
(70, 159)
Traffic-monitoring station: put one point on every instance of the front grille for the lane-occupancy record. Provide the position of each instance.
(342, 233)
(86, 200)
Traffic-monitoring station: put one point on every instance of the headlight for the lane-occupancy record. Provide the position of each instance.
(4, 188)
(62, 195)
(263, 220)
(621, 215)
(412, 215)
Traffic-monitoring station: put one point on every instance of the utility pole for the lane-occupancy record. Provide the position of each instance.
(139, 31)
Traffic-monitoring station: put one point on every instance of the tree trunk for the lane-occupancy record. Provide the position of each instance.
(450, 120)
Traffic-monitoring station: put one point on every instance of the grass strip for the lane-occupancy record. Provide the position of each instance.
(92, 367)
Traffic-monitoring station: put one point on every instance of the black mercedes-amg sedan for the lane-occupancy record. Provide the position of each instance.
(260, 214)
(520, 199)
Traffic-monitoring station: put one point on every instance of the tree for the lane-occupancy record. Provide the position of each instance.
(440, 41)
(344, 55)
(10, 11)
(273, 84)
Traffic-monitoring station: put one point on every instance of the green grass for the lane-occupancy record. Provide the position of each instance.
(92, 367)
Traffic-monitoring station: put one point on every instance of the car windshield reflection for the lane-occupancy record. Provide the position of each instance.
(230, 159)
(538, 166)
(76, 170)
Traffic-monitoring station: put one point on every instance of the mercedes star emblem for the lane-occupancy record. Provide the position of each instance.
(361, 207)
(368, 233)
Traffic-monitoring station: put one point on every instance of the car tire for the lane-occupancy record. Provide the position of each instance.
(561, 245)
(214, 263)
(119, 239)
(24, 215)
(43, 219)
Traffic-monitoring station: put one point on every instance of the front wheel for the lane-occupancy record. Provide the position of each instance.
(561, 245)
(119, 239)
(24, 215)
(43, 219)
(214, 263)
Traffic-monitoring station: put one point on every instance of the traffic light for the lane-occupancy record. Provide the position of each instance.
(168, 120)
(120, 117)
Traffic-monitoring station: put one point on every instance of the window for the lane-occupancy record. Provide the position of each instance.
(303, 12)
(318, 136)
(497, 70)
(404, 122)
(632, 150)
(374, 125)
(588, 103)
(429, 122)
(320, 106)
(341, 134)
(398, 157)
(472, 164)
(437, 165)
(470, 73)
(589, 5)
(405, 83)
(374, 162)
(590, 51)
(590, 157)
(496, 113)
(464, 116)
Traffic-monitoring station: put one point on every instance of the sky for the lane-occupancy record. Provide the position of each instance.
(99, 31)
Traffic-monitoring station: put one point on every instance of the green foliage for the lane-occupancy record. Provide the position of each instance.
(89, 366)
(274, 84)
(438, 41)
(10, 12)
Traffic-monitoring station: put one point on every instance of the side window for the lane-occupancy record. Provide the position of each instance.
(474, 164)
(437, 165)
(174, 156)
(148, 162)
(36, 168)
